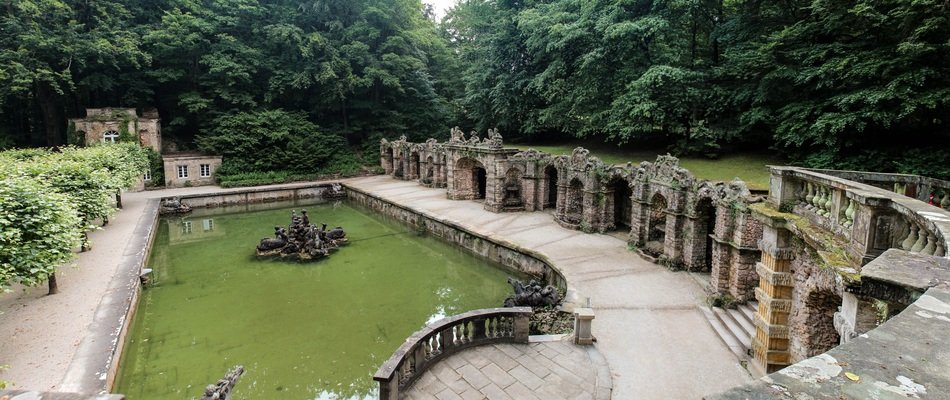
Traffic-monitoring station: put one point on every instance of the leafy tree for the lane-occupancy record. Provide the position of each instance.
(273, 140)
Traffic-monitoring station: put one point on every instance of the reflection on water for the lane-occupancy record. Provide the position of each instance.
(303, 331)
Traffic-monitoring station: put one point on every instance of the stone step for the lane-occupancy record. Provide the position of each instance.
(724, 334)
(741, 335)
(749, 309)
(743, 320)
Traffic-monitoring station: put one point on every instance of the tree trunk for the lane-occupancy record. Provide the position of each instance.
(85, 242)
(53, 116)
(53, 287)
(118, 200)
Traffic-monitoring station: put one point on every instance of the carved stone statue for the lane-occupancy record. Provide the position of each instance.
(494, 139)
(531, 295)
(302, 239)
(222, 389)
(456, 135)
(174, 205)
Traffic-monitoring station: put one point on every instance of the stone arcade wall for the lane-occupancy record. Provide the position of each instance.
(820, 234)
(670, 215)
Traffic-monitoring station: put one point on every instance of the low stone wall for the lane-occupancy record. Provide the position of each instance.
(505, 253)
(34, 395)
(260, 195)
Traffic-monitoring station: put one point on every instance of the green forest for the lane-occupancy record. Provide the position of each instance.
(310, 86)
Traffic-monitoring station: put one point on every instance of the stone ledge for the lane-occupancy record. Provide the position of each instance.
(902, 358)
(772, 277)
(772, 331)
(34, 395)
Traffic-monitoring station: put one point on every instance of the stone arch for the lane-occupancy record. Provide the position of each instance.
(574, 207)
(429, 175)
(549, 199)
(704, 228)
(656, 230)
(513, 188)
(621, 202)
(414, 164)
(820, 334)
(388, 159)
(471, 178)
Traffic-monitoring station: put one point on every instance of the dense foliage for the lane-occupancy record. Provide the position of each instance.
(831, 83)
(49, 199)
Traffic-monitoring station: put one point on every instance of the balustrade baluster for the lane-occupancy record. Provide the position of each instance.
(849, 214)
(931, 246)
(911, 238)
(941, 251)
(920, 243)
(945, 202)
(816, 199)
(829, 204)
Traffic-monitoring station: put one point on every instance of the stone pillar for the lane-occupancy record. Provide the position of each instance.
(561, 206)
(583, 317)
(771, 341)
(856, 316)
(673, 238)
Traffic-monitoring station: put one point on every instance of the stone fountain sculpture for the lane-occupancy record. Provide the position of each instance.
(302, 240)
(532, 295)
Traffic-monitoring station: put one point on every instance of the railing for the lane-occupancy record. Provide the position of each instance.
(916, 186)
(447, 336)
(871, 219)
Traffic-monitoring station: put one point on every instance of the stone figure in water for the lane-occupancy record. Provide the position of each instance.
(302, 239)
(531, 295)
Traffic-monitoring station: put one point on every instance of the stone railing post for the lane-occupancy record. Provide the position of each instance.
(583, 317)
(771, 341)
(388, 388)
(522, 327)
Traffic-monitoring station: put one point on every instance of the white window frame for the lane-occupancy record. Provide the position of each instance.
(186, 227)
(204, 170)
(110, 136)
(147, 176)
(182, 171)
(207, 224)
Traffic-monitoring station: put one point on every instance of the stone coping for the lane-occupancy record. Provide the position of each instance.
(905, 357)
(93, 368)
(33, 395)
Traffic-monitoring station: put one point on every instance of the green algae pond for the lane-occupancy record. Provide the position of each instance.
(316, 330)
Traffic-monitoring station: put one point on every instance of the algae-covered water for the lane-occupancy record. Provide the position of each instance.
(302, 330)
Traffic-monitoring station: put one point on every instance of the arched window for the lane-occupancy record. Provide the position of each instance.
(110, 136)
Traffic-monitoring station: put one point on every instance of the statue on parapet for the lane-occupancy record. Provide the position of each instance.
(494, 139)
(456, 135)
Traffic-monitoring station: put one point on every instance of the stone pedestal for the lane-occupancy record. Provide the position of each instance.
(583, 317)
(771, 342)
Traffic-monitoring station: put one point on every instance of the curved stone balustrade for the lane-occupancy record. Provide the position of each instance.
(870, 218)
(448, 336)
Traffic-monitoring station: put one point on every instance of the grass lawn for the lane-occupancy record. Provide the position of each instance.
(750, 167)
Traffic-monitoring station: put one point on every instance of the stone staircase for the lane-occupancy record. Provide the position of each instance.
(735, 327)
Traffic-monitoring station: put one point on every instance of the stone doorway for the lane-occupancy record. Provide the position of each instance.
(388, 160)
(550, 196)
(705, 228)
(430, 171)
(481, 180)
(414, 166)
(622, 204)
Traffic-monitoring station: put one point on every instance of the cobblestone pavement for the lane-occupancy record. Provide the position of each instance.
(548, 370)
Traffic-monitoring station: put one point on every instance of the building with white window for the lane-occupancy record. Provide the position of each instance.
(117, 124)
(189, 169)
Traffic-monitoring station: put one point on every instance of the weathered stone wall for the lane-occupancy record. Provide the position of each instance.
(145, 129)
(519, 260)
(260, 195)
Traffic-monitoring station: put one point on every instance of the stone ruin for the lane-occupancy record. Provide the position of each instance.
(800, 252)
(668, 214)
(302, 240)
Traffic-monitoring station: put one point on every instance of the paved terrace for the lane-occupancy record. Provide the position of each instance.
(648, 325)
